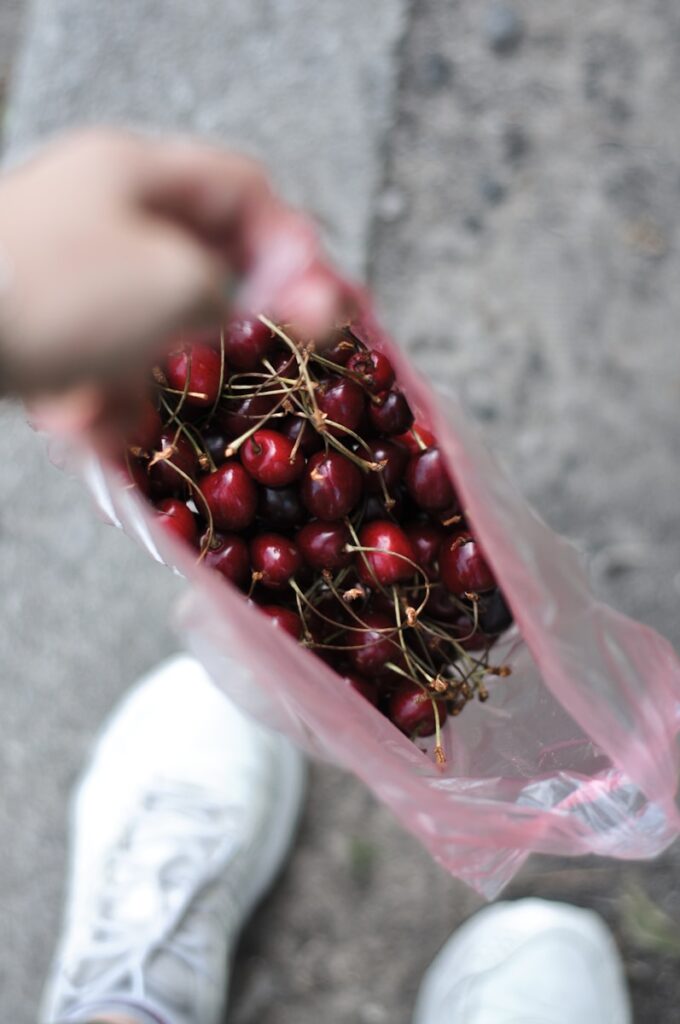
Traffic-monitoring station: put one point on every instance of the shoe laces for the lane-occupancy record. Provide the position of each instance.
(178, 843)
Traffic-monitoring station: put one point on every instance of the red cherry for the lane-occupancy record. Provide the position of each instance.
(276, 558)
(246, 343)
(411, 710)
(293, 426)
(269, 458)
(395, 458)
(390, 413)
(341, 350)
(164, 479)
(228, 554)
(284, 363)
(202, 363)
(366, 687)
(175, 518)
(375, 507)
(242, 414)
(331, 485)
(284, 618)
(215, 442)
(147, 429)
(231, 496)
(323, 545)
(373, 370)
(371, 648)
(426, 541)
(280, 507)
(425, 436)
(442, 605)
(343, 402)
(428, 481)
(462, 567)
(388, 564)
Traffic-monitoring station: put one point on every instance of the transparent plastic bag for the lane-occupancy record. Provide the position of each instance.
(574, 753)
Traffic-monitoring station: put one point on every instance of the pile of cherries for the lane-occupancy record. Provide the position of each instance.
(297, 472)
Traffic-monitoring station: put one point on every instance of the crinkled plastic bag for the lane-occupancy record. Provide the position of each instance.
(574, 753)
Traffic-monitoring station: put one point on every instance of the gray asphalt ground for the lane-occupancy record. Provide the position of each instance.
(508, 177)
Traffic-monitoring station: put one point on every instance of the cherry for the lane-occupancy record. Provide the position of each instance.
(426, 540)
(280, 507)
(293, 426)
(228, 554)
(247, 342)
(276, 558)
(269, 458)
(375, 507)
(164, 479)
(284, 618)
(323, 545)
(366, 687)
(241, 414)
(442, 605)
(373, 370)
(215, 442)
(231, 496)
(416, 437)
(202, 363)
(341, 350)
(389, 563)
(410, 708)
(494, 615)
(462, 566)
(331, 485)
(343, 402)
(390, 413)
(284, 363)
(175, 518)
(144, 436)
(395, 458)
(371, 648)
(428, 481)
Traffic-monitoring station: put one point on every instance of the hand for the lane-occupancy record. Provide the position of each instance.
(110, 243)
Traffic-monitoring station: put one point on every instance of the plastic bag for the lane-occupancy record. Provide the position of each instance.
(574, 753)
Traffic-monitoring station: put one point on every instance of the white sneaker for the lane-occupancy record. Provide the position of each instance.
(179, 825)
(529, 962)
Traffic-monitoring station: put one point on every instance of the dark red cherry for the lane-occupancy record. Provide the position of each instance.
(442, 605)
(246, 343)
(215, 442)
(135, 471)
(202, 364)
(410, 708)
(392, 562)
(462, 566)
(366, 687)
(394, 458)
(241, 414)
(417, 437)
(323, 545)
(372, 369)
(163, 475)
(331, 485)
(370, 649)
(494, 615)
(293, 426)
(284, 363)
(376, 507)
(426, 540)
(428, 481)
(145, 434)
(276, 558)
(280, 508)
(284, 618)
(270, 459)
(231, 496)
(174, 517)
(228, 554)
(341, 349)
(390, 413)
(343, 402)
